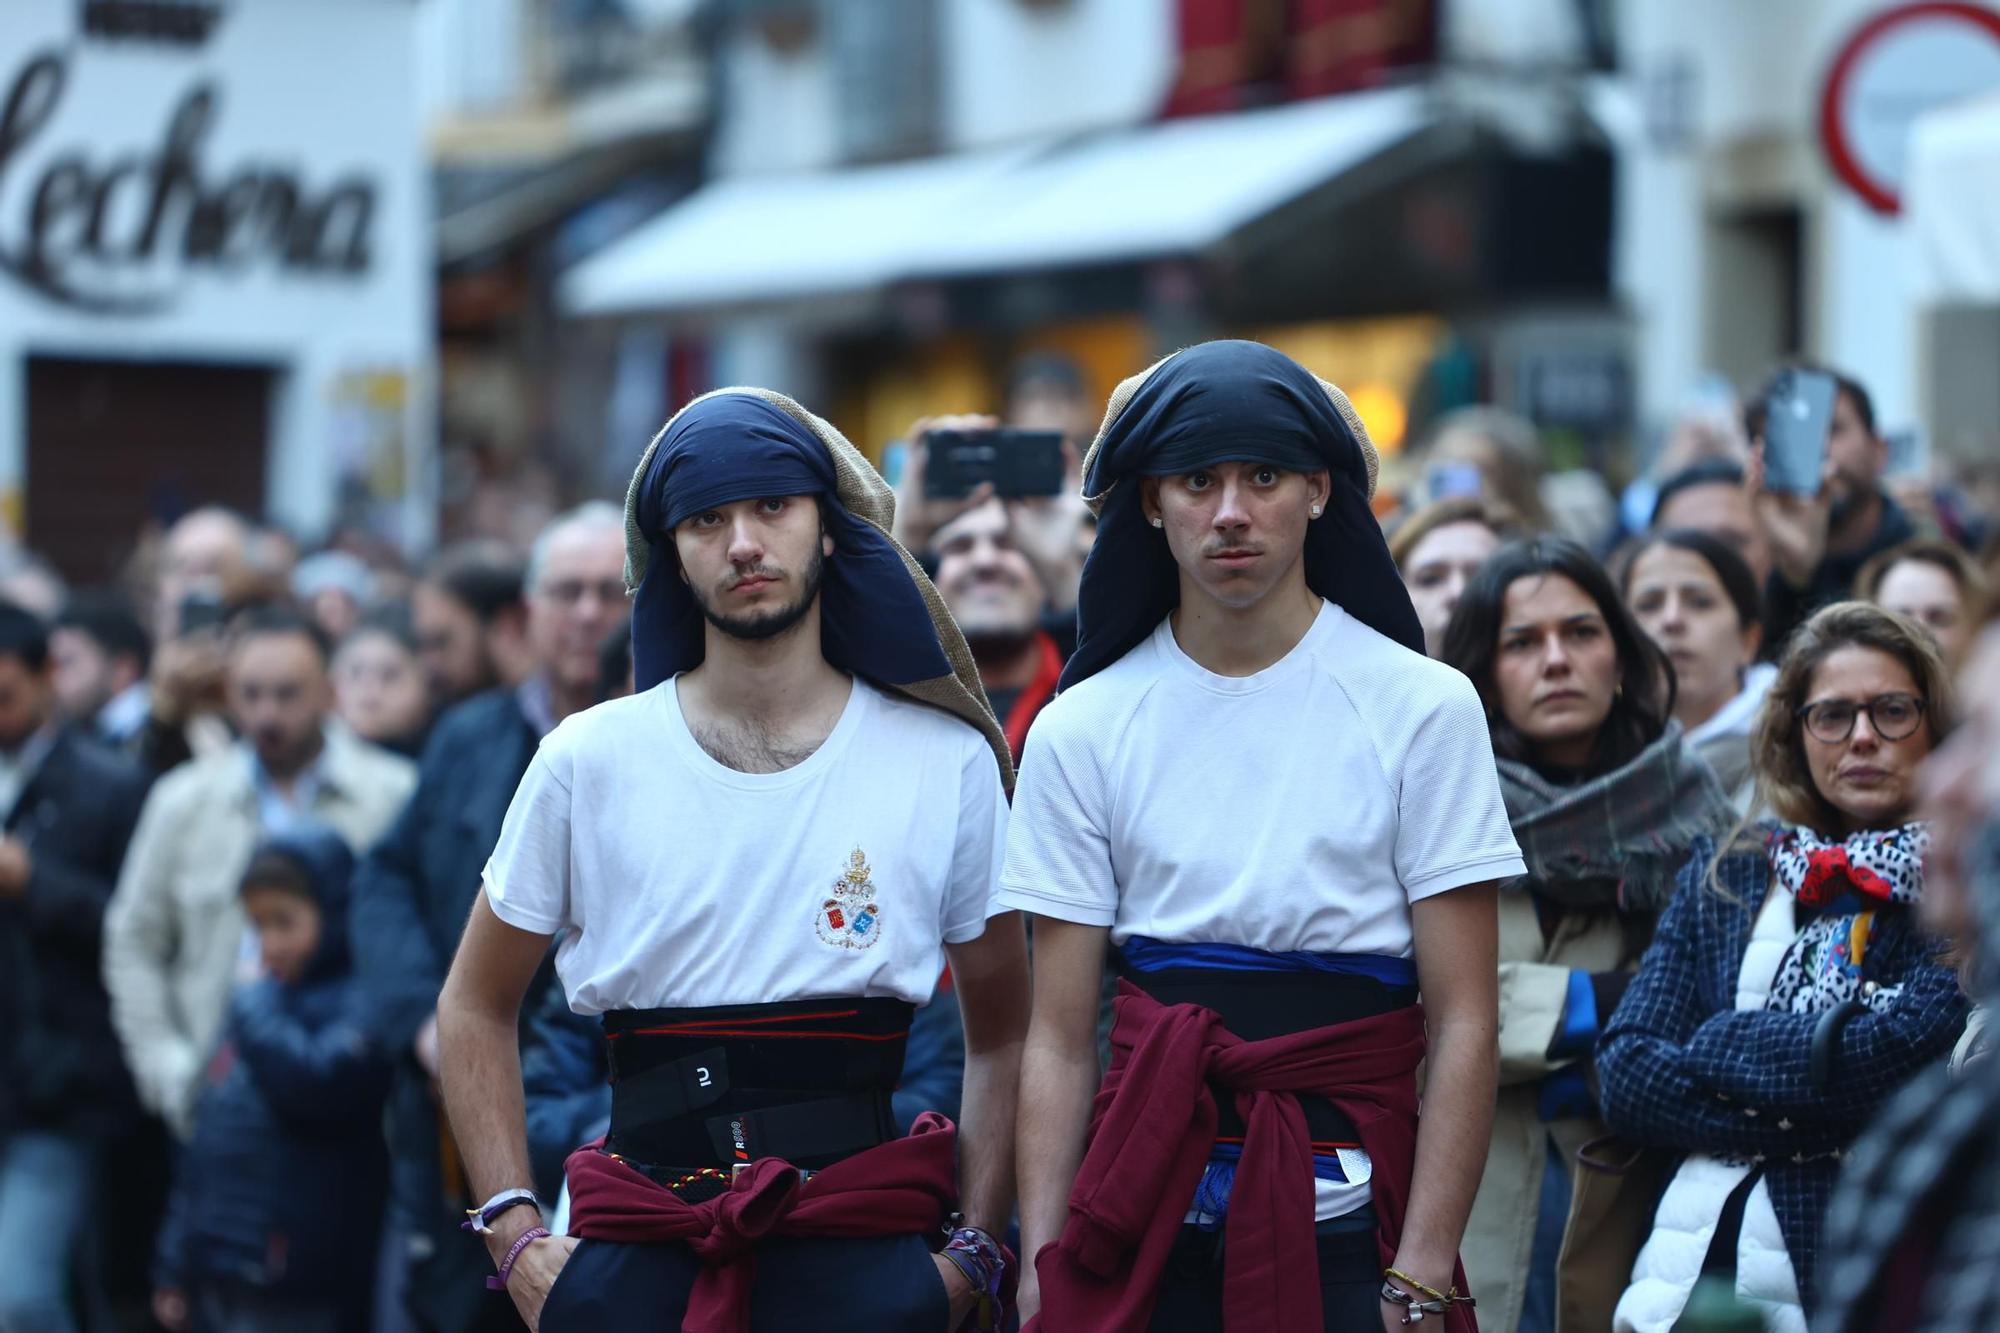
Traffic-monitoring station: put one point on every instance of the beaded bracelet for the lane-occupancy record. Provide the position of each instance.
(498, 1282)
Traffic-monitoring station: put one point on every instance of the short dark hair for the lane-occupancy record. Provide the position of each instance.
(1708, 472)
(277, 618)
(391, 620)
(23, 635)
(1645, 699)
(1732, 571)
(1046, 369)
(276, 868)
(1864, 406)
(484, 576)
(107, 619)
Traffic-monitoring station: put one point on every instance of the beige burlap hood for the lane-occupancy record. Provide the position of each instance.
(868, 508)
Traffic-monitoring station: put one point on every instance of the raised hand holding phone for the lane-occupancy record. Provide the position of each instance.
(1790, 470)
(919, 514)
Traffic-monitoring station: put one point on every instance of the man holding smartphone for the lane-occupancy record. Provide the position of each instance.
(1821, 500)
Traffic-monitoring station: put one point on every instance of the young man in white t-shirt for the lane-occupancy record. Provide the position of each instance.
(1285, 820)
(757, 867)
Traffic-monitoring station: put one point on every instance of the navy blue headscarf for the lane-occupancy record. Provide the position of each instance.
(733, 446)
(1227, 402)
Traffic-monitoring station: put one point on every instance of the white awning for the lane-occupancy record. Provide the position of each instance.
(1952, 203)
(1158, 190)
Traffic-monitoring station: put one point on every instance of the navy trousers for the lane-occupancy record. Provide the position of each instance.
(1350, 1279)
(877, 1284)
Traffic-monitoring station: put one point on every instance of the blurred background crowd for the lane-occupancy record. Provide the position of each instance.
(330, 331)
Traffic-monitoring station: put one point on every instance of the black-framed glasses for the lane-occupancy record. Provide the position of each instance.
(1891, 716)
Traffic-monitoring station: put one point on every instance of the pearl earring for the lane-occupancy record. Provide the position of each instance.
(1315, 511)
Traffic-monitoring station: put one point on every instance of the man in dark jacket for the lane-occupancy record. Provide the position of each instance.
(68, 808)
(278, 1197)
(413, 892)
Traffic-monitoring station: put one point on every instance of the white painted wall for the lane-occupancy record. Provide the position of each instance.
(471, 56)
(1757, 72)
(1013, 71)
(777, 107)
(323, 88)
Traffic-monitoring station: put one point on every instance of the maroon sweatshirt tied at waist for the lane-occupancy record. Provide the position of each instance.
(907, 1186)
(1151, 1134)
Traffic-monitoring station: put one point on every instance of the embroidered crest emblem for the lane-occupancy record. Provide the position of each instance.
(850, 919)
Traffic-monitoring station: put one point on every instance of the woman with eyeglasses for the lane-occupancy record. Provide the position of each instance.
(1791, 988)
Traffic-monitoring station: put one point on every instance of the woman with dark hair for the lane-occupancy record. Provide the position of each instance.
(1698, 600)
(1791, 988)
(1605, 804)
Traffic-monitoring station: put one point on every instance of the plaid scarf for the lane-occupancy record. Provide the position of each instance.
(1616, 840)
(1822, 968)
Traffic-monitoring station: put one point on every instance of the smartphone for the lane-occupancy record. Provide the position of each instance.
(1450, 481)
(1798, 417)
(1019, 463)
(201, 611)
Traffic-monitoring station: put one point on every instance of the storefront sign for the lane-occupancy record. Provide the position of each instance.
(1898, 65)
(112, 232)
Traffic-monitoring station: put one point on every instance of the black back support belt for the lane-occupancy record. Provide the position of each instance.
(1260, 1005)
(808, 1081)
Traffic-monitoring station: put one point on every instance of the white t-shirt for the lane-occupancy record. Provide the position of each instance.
(1302, 808)
(681, 882)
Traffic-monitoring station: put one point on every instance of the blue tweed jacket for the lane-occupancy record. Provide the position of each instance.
(1681, 1068)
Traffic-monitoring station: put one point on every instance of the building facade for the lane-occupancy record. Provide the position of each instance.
(215, 277)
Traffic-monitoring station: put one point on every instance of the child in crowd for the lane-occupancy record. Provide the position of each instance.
(278, 1196)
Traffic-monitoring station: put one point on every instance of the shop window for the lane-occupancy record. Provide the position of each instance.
(1244, 53)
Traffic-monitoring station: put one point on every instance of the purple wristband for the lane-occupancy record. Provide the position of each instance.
(498, 1282)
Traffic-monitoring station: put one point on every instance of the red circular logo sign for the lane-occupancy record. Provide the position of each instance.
(1901, 63)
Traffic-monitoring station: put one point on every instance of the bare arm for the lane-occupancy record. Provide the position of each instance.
(1456, 935)
(991, 974)
(1059, 1077)
(479, 1048)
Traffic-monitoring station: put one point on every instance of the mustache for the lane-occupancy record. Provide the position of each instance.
(737, 576)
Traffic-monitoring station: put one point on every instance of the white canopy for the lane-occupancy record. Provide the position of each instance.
(1157, 190)
(1952, 203)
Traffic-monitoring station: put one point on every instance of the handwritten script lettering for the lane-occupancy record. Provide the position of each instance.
(112, 236)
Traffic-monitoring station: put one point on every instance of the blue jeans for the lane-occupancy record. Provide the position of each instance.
(45, 1185)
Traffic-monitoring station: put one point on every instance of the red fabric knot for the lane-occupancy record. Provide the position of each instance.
(1829, 870)
(907, 1186)
(1153, 1128)
(755, 1203)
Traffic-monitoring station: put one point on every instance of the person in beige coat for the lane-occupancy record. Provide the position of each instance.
(1604, 802)
(174, 932)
